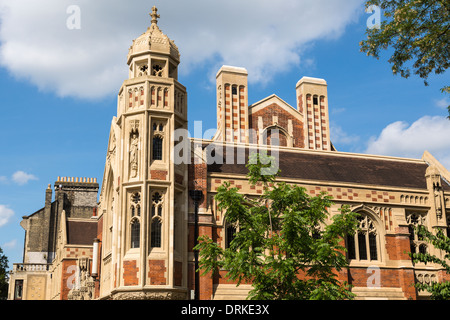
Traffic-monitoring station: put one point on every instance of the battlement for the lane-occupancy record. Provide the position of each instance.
(76, 180)
(76, 184)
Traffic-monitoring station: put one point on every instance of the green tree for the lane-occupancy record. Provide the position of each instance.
(438, 290)
(281, 235)
(418, 31)
(3, 276)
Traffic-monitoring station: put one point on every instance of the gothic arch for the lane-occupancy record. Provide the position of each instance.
(108, 209)
(285, 139)
(370, 224)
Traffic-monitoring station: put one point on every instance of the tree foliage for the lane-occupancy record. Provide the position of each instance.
(3, 276)
(281, 235)
(438, 290)
(418, 31)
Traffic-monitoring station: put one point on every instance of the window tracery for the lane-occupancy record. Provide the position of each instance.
(363, 245)
(156, 219)
(135, 221)
(157, 145)
(417, 244)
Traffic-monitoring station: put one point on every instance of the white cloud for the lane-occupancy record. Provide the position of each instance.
(10, 245)
(22, 178)
(339, 136)
(266, 37)
(443, 103)
(404, 140)
(5, 214)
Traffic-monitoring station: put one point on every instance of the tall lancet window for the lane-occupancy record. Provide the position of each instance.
(230, 234)
(135, 233)
(135, 220)
(157, 145)
(156, 218)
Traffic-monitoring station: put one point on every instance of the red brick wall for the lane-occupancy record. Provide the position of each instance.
(389, 278)
(300, 103)
(178, 273)
(156, 272)
(283, 116)
(67, 277)
(198, 180)
(130, 273)
(179, 178)
(158, 175)
(397, 247)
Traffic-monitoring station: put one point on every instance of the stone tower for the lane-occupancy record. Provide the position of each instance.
(232, 105)
(143, 197)
(313, 104)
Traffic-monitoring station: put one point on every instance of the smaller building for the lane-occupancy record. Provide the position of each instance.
(58, 243)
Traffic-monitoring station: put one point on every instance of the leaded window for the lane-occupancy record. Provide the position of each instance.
(157, 141)
(156, 218)
(155, 237)
(135, 223)
(363, 245)
(135, 233)
(230, 234)
(157, 148)
(417, 243)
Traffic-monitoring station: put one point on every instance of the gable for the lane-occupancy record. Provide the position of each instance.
(274, 99)
(275, 113)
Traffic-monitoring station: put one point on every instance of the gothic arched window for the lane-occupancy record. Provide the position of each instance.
(135, 224)
(157, 148)
(417, 244)
(156, 218)
(135, 233)
(157, 145)
(155, 236)
(230, 234)
(364, 244)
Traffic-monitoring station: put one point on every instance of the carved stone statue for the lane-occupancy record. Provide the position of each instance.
(134, 148)
(438, 201)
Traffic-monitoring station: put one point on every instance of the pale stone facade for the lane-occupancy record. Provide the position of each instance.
(139, 175)
(58, 238)
(145, 217)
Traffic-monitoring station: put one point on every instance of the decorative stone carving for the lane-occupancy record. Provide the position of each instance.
(415, 219)
(134, 148)
(438, 199)
(150, 295)
(85, 285)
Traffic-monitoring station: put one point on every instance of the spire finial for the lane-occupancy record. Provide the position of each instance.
(154, 15)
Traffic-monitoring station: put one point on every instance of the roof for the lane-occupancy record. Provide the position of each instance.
(340, 167)
(153, 40)
(81, 232)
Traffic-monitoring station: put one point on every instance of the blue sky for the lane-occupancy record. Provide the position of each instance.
(58, 86)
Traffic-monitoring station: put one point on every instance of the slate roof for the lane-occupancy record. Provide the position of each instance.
(342, 168)
(81, 232)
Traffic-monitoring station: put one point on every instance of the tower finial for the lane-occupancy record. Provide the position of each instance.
(154, 15)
